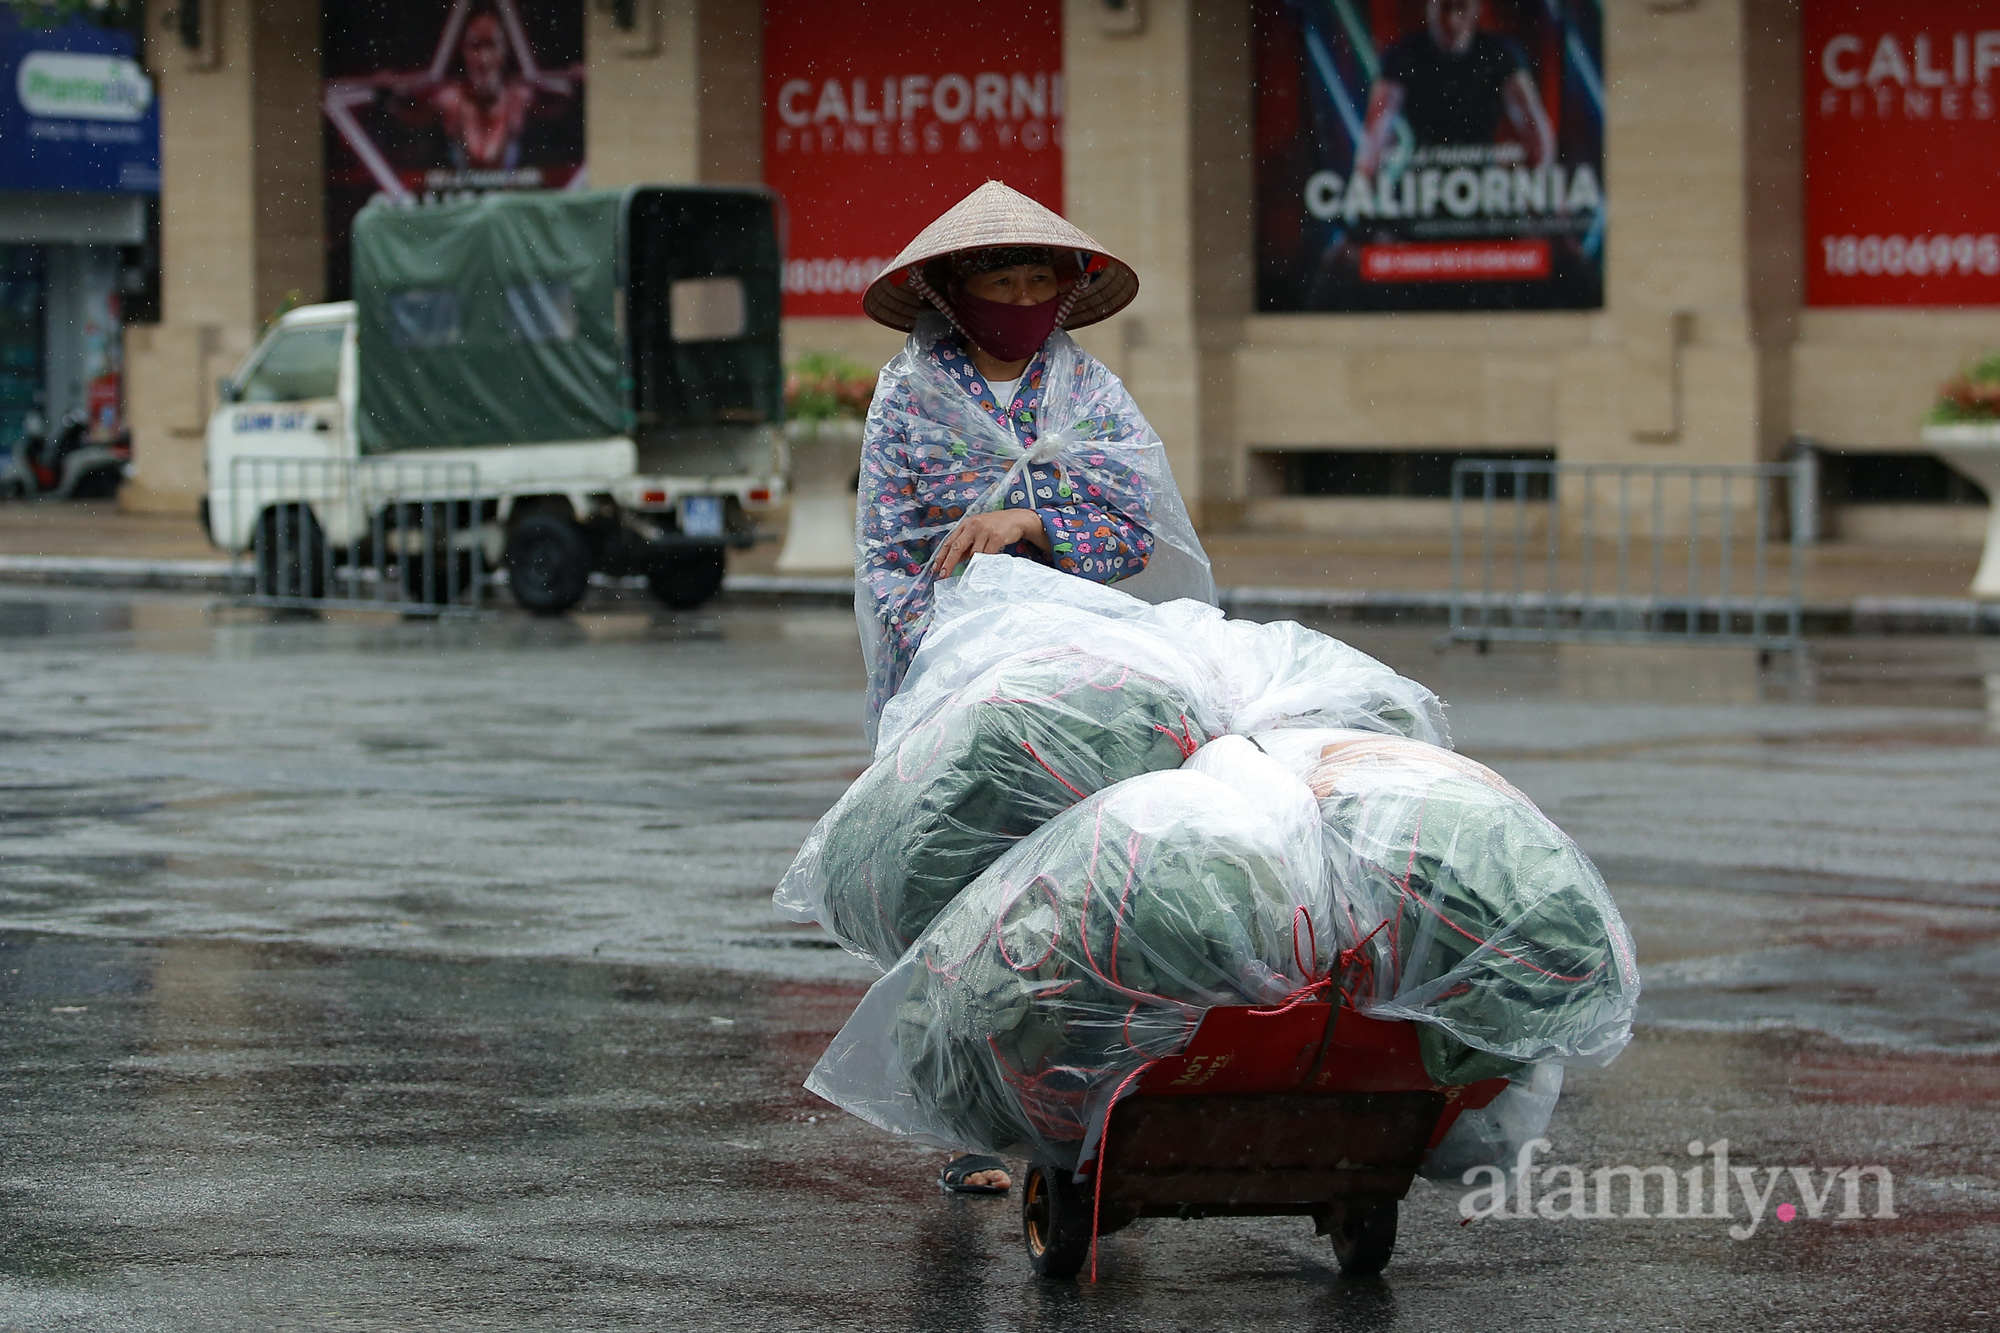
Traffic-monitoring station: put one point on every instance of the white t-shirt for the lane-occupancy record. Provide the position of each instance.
(1003, 390)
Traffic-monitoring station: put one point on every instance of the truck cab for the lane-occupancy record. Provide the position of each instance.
(557, 384)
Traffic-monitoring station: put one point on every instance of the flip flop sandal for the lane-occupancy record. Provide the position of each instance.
(952, 1178)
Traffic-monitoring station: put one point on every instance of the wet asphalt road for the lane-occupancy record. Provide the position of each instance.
(358, 974)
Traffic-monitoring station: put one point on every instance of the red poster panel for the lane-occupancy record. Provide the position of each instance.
(881, 114)
(1902, 133)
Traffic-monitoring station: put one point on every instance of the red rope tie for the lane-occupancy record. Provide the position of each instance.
(1051, 772)
(1353, 977)
(1310, 971)
(1425, 903)
(1306, 994)
(1183, 740)
(1051, 1113)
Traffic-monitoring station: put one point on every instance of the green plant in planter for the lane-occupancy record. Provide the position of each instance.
(821, 386)
(1972, 395)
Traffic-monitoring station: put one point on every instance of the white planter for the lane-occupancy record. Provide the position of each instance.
(820, 536)
(1974, 449)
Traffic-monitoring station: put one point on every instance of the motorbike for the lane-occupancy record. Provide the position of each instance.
(64, 464)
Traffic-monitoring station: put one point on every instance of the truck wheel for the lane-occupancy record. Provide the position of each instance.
(1364, 1235)
(1055, 1222)
(548, 563)
(291, 553)
(686, 579)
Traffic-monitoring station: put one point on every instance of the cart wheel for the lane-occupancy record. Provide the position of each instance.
(1055, 1222)
(1364, 1235)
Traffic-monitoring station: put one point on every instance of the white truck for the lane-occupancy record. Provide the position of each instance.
(555, 384)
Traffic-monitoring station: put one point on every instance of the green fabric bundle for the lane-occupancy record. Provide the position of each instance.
(1089, 949)
(1543, 983)
(1014, 747)
(1095, 944)
(1502, 939)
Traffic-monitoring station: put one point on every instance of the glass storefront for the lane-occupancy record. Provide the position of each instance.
(21, 388)
(79, 159)
(61, 340)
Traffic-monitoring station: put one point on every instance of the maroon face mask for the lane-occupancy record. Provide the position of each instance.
(1005, 331)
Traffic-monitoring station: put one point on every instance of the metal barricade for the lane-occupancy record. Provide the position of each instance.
(1614, 552)
(393, 534)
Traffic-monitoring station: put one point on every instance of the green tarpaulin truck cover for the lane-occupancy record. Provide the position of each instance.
(492, 321)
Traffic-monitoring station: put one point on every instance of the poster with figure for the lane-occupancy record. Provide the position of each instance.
(881, 114)
(1429, 154)
(441, 99)
(1902, 121)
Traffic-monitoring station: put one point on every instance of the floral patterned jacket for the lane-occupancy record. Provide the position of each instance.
(920, 476)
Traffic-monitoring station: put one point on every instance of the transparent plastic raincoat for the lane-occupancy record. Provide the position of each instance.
(1070, 445)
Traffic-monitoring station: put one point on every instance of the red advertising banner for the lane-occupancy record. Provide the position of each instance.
(1902, 132)
(881, 114)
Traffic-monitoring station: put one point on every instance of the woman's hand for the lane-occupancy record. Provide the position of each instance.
(989, 534)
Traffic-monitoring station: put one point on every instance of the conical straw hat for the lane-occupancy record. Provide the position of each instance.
(996, 215)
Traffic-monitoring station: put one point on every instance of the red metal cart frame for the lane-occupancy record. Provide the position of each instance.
(1310, 1109)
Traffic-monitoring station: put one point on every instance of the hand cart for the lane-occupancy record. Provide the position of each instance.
(1309, 1110)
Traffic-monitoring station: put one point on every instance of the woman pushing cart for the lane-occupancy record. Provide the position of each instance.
(993, 433)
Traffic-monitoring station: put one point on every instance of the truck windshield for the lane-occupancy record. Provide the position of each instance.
(297, 364)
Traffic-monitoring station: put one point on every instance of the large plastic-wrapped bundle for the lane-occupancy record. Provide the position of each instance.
(1033, 690)
(1013, 747)
(1477, 916)
(1091, 948)
(1245, 676)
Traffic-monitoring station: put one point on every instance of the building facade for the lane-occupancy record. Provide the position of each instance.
(1653, 244)
(79, 177)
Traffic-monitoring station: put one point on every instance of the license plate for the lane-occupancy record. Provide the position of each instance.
(701, 516)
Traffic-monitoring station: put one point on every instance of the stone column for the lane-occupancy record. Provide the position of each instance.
(242, 224)
(641, 115)
(1674, 372)
(731, 116)
(1156, 167)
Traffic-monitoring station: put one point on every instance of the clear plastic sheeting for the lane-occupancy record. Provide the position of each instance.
(1090, 949)
(1474, 915)
(1405, 880)
(1034, 690)
(1243, 676)
(1492, 1135)
(1014, 747)
(1064, 909)
(1087, 428)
